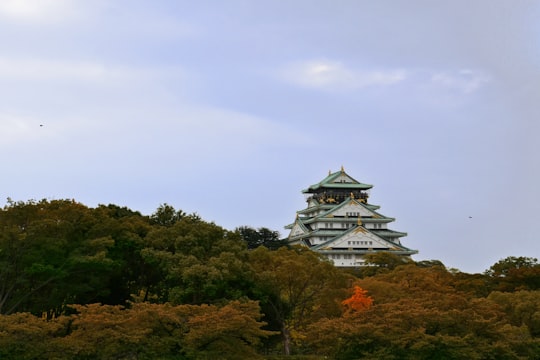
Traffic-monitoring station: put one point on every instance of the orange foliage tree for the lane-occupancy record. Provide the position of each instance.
(358, 301)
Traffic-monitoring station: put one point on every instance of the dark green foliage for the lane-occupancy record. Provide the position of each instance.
(49, 256)
(515, 273)
(260, 237)
(166, 215)
(60, 259)
(196, 262)
(53, 253)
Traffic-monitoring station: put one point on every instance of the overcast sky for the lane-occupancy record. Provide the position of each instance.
(230, 108)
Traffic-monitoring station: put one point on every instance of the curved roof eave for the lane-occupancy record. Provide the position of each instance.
(327, 183)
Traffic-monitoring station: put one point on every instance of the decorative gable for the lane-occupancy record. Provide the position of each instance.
(353, 208)
(297, 230)
(343, 178)
(359, 237)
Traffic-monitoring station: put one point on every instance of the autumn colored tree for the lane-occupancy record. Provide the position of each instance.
(24, 336)
(419, 315)
(359, 301)
(142, 331)
(173, 286)
(296, 287)
(229, 332)
(522, 308)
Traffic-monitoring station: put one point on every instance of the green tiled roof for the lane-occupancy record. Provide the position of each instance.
(389, 233)
(378, 218)
(325, 244)
(328, 183)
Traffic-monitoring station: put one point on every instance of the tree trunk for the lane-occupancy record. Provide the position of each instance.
(286, 340)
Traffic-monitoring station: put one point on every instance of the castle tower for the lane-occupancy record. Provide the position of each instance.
(340, 223)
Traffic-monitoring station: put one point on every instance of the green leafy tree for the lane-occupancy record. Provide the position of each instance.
(296, 287)
(196, 262)
(260, 237)
(515, 273)
(380, 262)
(166, 215)
(53, 253)
(46, 257)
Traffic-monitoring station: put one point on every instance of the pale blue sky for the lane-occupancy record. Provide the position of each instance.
(230, 109)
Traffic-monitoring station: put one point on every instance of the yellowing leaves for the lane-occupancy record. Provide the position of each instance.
(149, 331)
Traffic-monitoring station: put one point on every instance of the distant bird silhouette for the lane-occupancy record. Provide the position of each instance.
(40, 125)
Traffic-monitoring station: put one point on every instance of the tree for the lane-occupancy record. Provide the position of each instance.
(515, 273)
(296, 287)
(128, 229)
(53, 253)
(260, 237)
(166, 215)
(24, 336)
(141, 331)
(359, 301)
(420, 315)
(195, 262)
(229, 332)
(48, 258)
(522, 308)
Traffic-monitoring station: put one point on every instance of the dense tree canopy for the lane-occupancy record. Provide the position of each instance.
(59, 252)
(173, 286)
(260, 237)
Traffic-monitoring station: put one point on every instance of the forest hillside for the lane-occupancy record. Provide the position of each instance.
(110, 283)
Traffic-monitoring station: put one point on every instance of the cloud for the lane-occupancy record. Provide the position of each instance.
(46, 70)
(203, 132)
(37, 11)
(333, 75)
(41, 69)
(466, 81)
